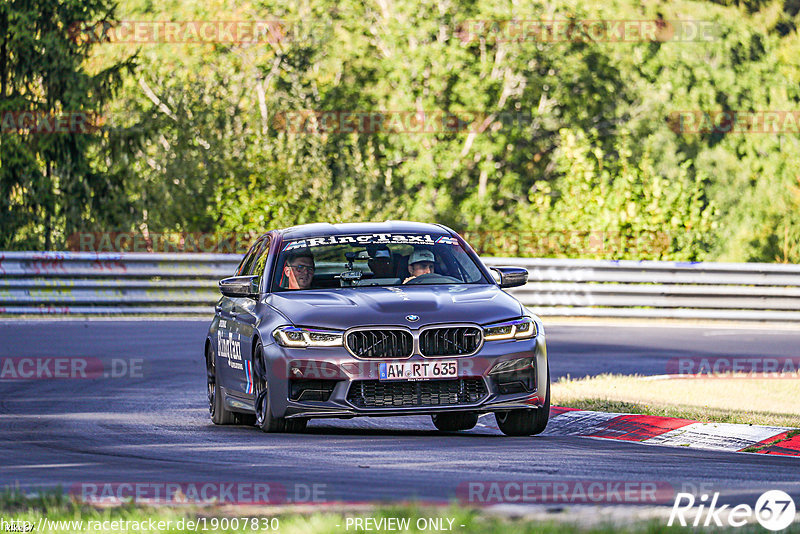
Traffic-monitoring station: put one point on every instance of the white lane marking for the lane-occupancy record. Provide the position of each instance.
(579, 423)
(47, 466)
(203, 319)
(716, 436)
(778, 327)
(713, 333)
(663, 377)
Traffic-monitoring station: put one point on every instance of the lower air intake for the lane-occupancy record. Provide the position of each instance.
(401, 394)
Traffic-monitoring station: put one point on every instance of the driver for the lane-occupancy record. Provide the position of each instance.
(421, 262)
(298, 271)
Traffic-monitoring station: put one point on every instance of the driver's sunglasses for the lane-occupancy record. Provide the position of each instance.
(305, 268)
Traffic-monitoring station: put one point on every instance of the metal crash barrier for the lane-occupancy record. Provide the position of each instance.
(81, 283)
(111, 283)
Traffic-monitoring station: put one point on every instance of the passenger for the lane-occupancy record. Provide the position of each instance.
(421, 262)
(380, 262)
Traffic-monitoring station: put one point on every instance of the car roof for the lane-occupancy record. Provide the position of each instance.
(386, 227)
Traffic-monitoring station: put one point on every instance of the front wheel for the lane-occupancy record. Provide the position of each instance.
(263, 407)
(452, 422)
(526, 422)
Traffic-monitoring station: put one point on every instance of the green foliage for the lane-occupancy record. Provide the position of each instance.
(50, 183)
(630, 209)
(573, 155)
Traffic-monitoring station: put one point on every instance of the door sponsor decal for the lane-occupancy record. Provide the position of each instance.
(231, 350)
(248, 372)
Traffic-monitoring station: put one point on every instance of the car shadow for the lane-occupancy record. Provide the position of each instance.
(390, 432)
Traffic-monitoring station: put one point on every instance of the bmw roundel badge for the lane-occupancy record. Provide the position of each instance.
(412, 318)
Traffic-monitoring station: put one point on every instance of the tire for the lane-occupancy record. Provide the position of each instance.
(263, 407)
(216, 404)
(526, 422)
(451, 422)
(264, 418)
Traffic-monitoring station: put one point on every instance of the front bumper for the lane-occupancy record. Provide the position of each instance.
(330, 382)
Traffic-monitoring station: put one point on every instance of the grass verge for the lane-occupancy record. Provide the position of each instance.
(65, 516)
(718, 400)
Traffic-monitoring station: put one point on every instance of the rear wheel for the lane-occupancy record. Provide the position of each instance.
(526, 422)
(451, 422)
(216, 403)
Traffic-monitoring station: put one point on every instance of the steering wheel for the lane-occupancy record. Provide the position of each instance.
(433, 278)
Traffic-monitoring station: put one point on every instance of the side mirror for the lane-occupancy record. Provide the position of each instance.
(510, 276)
(239, 286)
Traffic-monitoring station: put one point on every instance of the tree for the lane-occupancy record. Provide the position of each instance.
(51, 107)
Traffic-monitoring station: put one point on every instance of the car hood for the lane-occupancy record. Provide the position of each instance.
(348, 307)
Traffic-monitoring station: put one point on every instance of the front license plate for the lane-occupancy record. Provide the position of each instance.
(419, 370)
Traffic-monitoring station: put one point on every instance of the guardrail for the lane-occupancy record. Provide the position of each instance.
(67, 283)
(111, 283)
(660, 289)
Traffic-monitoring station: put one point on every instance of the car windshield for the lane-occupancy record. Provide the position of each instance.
(373, 260)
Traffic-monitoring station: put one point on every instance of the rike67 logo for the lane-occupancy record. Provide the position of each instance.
(774, 510)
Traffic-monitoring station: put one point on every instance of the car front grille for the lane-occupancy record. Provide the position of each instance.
(380, 343)
(401, 394)
(451, 341)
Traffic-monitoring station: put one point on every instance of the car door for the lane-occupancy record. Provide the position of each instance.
(244, 321)
(230, 365)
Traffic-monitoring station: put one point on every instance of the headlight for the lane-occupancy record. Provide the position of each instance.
(292, 336)
(518, 329)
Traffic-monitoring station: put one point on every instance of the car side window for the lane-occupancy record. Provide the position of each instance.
(261, 255)
(247, 263)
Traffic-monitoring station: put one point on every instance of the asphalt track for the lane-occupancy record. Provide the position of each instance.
(155, 428)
